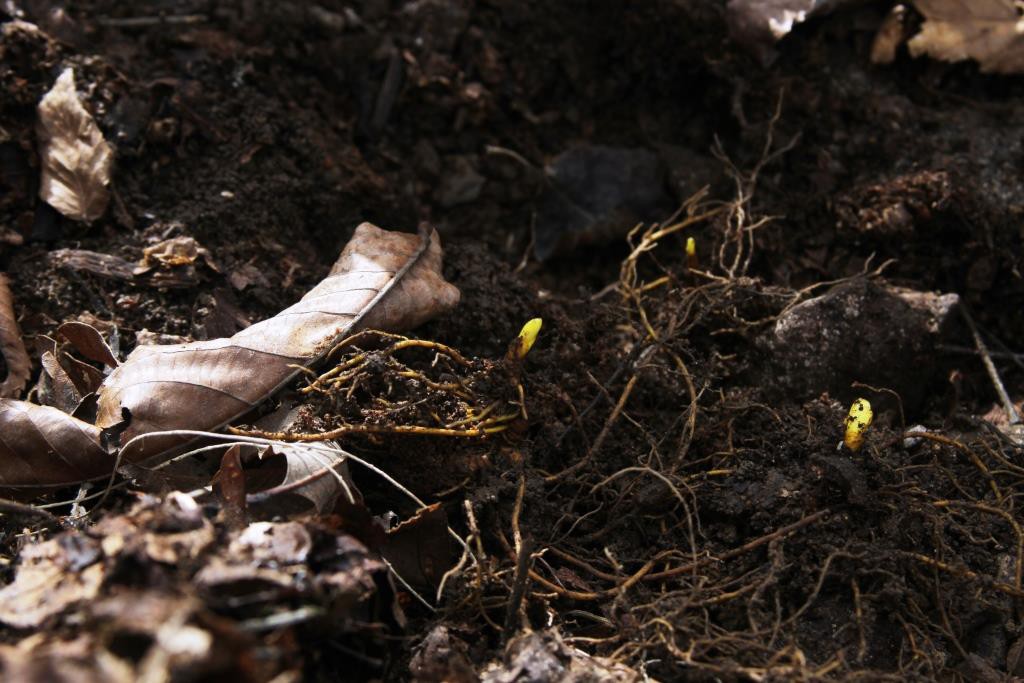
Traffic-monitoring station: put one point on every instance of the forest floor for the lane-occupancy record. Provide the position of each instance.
(674, 505)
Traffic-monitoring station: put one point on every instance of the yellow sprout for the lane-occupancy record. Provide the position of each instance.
(522, 344)
(857, 422)
(691, 253)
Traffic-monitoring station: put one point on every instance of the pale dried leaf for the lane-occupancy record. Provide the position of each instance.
(384, 280)
(76, 160)
(989, 31)
(44, 447)
(15, 356)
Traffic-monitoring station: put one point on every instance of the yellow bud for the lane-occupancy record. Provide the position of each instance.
(524, 342)
(857, 422)
(691, 253)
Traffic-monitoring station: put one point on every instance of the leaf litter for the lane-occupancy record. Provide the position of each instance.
(382, 279)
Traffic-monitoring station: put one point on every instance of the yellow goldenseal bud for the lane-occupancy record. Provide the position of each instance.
(691, 253)
(857, 422)
(524, 342)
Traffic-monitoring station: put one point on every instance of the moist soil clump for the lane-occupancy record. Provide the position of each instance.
(665, 490)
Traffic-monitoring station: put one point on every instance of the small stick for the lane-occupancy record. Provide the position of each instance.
(1011, 412)
(140, 22)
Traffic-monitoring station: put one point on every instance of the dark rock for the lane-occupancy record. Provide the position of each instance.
(859, 331)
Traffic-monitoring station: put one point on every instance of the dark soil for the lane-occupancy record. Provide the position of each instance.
(704, 528)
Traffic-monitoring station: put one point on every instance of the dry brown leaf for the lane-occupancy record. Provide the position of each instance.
(44, 447)
(55, 387)
(76, 160)
(15, 356)
(88, 341)
(315, 473)
(272, 544)
(229, 488)
(989, 31)
(384, 280)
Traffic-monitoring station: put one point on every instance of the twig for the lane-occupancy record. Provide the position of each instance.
(154, 20)
(1011, 411)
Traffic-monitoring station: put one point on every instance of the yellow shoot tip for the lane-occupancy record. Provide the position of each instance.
(691, 253)
(524, 342)
(857, 422)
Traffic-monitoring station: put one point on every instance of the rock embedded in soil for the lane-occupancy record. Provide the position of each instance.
(859, 331)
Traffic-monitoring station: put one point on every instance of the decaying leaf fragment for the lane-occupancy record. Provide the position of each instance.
(76, 160)
(18, 364)
(176, 251)
(989, 31)
(52, 576)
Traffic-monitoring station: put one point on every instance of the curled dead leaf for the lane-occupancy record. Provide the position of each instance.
(15, 356)
(55, 386)
(229, 487)
(88, 341)
(314, 472)
(76, 160)
(385, 280)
